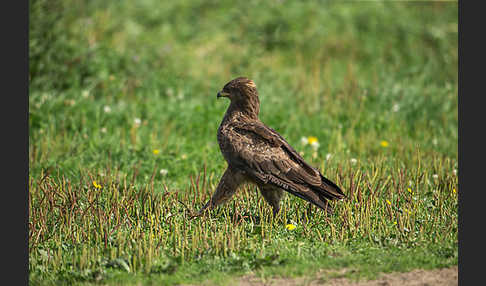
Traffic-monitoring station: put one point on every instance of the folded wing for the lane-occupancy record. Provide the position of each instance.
(267, 158)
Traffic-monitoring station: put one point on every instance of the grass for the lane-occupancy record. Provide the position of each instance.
(122, 138)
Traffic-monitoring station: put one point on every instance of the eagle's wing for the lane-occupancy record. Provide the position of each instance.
(267, 158)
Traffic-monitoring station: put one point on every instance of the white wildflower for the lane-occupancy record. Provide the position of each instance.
(396, 107)
(435, 176)
(169, 91)
(328, 156)
(180, 95)
(315, 145)
(304, 141)
(107, 109)
(353, 161)
(164, 172)
(137, 121)
(85, 93)
(103, 130)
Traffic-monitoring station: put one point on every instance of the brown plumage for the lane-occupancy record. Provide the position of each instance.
(258, 154)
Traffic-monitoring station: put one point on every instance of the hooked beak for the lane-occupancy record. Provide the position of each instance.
(222, 94)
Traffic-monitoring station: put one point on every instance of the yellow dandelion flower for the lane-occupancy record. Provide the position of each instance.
(184, 157)
(388, 202)
(96, 185)
(290, 226)
(394, 223)
(312, 140)
(384, 143)
(156, 151)
(454, 190)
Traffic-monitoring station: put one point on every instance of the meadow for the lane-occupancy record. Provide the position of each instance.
(122, 138)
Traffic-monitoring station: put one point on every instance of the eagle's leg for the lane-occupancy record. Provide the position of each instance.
(229, 183)
(272, 196)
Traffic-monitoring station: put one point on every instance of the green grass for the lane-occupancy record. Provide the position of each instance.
(351, 74)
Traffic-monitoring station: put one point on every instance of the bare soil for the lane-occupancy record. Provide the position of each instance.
(419, 277)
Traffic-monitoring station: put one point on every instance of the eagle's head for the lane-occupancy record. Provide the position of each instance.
(243, 95)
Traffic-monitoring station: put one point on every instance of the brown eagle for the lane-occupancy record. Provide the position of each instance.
(258, 154)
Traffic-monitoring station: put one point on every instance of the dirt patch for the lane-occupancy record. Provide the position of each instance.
(419, 277)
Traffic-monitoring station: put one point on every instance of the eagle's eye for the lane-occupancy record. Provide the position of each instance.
(232, 91)
(238, 93)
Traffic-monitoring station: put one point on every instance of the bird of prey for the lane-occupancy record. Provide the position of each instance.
(257, 154)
